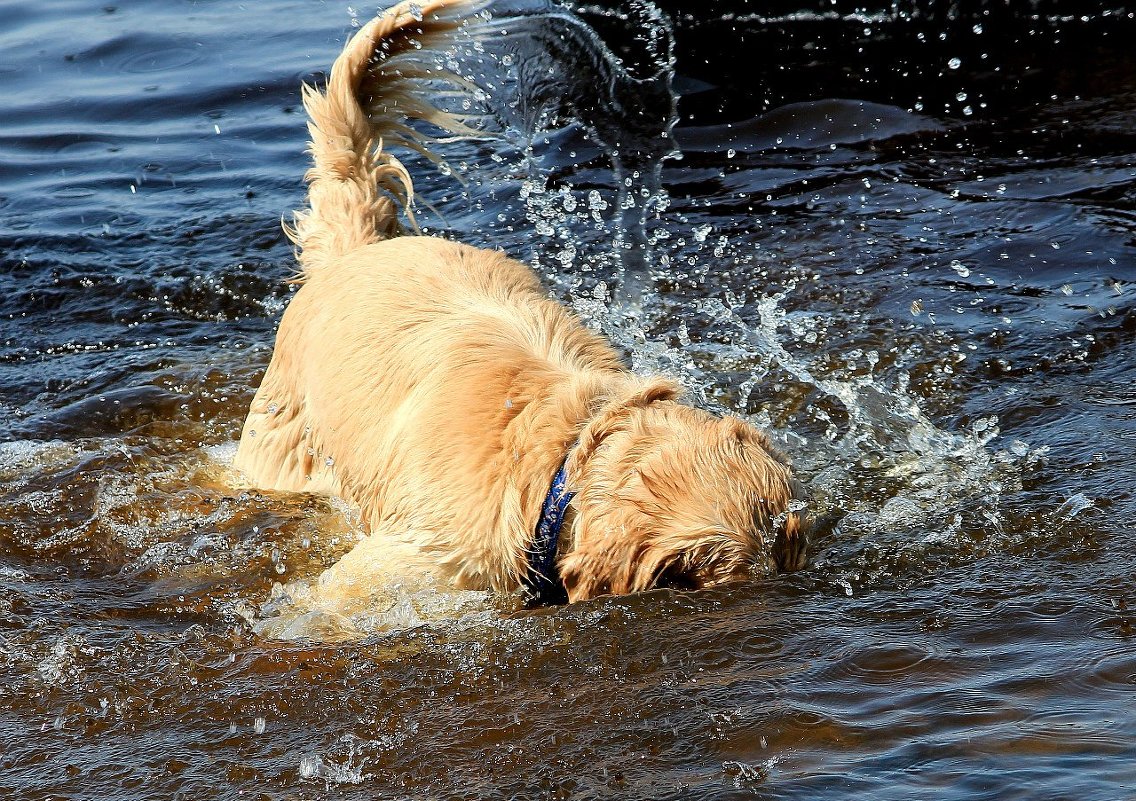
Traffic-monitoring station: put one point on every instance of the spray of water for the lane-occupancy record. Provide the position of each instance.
(924, 475)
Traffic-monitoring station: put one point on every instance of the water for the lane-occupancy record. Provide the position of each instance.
(901, 236)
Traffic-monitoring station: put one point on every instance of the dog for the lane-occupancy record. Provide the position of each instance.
(482, 432)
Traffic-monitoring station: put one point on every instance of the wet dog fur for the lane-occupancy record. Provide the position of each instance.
(437, 388)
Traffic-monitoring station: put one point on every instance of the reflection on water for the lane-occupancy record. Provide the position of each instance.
(902, 238)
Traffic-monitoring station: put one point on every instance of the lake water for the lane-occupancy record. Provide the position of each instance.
(902, 236)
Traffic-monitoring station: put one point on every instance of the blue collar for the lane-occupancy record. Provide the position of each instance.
(542, 582)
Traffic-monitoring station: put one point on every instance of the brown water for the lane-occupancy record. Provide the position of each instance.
(918, 273)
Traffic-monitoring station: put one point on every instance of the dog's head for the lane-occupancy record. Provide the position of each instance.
(668, 495)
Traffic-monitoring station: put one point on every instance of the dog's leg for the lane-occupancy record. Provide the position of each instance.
(381, 564)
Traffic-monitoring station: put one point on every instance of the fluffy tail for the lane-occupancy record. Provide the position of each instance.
(356, 190)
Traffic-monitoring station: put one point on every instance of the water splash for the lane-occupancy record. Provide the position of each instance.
(313, 610)
(1073, 507)
(562, 92)
(888, 430)
(345, 767)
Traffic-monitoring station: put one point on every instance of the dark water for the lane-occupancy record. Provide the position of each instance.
(918, 268)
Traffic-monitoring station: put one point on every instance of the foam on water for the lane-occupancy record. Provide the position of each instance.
(301, 609)
(18, 458)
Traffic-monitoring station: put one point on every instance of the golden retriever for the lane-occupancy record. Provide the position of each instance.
(466, 415)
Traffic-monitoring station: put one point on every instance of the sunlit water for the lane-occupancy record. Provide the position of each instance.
(900, 237)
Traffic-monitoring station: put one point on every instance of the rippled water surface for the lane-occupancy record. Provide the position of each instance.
(901, 236)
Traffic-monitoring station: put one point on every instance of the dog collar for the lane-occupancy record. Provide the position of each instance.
(542, 581)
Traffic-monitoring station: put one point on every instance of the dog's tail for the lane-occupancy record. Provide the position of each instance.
(356, 190)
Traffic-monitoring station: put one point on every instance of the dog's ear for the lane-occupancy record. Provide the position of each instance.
(733, 428)
(615, 415)
(743, 433)
(654, 389)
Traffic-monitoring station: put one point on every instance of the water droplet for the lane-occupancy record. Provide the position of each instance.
(954, 63)
(329, 461)
(310, 766)
(1074, 506)
(960, 268)
(731, 153)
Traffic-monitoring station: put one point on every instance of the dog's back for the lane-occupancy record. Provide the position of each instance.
(403, 339)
